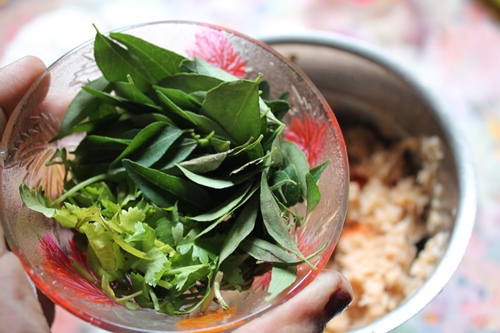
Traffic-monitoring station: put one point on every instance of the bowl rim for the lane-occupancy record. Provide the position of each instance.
(463, 161)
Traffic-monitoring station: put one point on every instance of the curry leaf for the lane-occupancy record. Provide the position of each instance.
(242, 227)
(116, 63)
(281, 279)
(235, 106)
(164, 189)
(159, 61)
(273, 220)
(83, 104)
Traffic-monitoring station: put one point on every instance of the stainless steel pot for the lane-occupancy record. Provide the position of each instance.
(365, 85)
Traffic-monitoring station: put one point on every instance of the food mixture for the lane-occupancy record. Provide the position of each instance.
(395, 231)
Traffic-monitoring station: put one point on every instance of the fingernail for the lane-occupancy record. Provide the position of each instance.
(337, 303)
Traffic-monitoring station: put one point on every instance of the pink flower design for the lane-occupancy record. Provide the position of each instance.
(213, 47)
(61, 269)
(307, 133)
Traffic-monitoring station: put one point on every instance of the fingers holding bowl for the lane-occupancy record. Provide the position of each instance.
(15, 80)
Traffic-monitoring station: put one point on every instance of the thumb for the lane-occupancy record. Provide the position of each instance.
(325, 297)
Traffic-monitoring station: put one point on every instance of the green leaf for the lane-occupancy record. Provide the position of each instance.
(123, 103)
(97, 148)
(281, 279)
(160, 146)
(130, 217)
(313, 196)
(159, 62)
(103, 245)
(267, 252)
(187, 276)
(242, 227)
(274, 222)
(165, 190)
(190, 82)
(180, 98)
(228, 205)
(145, 152)
(211, 182)
(37, 200)
(83, 105)
(116, 63)
(318, 170)
(93, 125)
(156, 267)
(234, 105)
(177, 153)
(286, 182)
(205, 163)
(130, 92)
(201, 66)
(206, 125)
(233, 274)
(293, 155)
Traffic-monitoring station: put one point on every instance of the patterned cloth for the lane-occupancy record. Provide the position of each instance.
(453, 46)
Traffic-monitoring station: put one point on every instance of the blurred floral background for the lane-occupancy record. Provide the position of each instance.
(453, 46)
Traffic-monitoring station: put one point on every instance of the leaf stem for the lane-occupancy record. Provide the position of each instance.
(79, 186)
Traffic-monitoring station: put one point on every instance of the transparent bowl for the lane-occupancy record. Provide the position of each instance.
(45, 248)
(366, 86)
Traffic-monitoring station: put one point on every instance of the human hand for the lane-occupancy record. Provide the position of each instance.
(20, 308)
(307, 312)
(21, 311)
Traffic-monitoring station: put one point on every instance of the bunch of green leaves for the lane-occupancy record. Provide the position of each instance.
(183, 184)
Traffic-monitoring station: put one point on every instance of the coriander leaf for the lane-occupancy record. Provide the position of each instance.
(130, 217)
(199, 250)
(187, 276)
(139, 284)
(37, 200)
(156, 267)
(103, 245)
(233, 274)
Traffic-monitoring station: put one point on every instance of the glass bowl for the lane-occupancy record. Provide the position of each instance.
(46, 249)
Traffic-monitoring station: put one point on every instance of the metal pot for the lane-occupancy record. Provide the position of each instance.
(365, 85)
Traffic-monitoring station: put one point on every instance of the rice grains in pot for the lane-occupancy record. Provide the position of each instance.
(395, 232)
